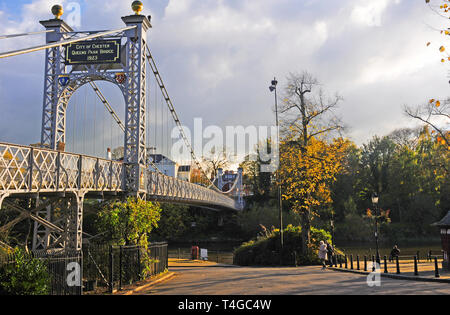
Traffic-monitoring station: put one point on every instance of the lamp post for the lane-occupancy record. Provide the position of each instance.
(375, 203)
(273, 88)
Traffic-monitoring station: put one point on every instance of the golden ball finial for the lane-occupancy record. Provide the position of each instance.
(137, 7)
(57, 11)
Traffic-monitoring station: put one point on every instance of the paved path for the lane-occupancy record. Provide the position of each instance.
(212, 279)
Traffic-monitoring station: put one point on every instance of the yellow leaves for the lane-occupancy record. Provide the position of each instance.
(437, 102)
(307, 172)
(441, 140)
(442, 49)
(369, 213)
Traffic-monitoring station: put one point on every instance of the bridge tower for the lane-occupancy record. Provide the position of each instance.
(63, 76)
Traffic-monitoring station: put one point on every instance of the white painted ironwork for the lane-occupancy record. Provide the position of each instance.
(64, 179)
(26, 169)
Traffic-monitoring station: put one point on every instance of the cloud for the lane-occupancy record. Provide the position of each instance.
(369, 13)
(217, 58)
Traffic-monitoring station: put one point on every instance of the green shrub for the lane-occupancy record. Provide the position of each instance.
(266, 250)
(25, 276)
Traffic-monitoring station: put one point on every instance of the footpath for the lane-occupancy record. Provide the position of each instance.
(148, 283)
(426, 273)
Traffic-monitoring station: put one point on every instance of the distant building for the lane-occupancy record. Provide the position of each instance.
(164, 164)
(184, 173)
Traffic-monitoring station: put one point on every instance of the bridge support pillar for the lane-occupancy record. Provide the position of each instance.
(240, 188)
(59, 225)
(41, 233)
(74, 224)
(135, 151)
(220, 178)
(53, 122)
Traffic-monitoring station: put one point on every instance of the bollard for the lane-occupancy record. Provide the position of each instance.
(365, 263)
(398, 265)
(345, 261)
(373, 263)
(357, 262)
(436, 267)
(385, 264)
(351, 262)
(416, 270)
(340, 261)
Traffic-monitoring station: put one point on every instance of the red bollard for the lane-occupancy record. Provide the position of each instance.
(195, 252)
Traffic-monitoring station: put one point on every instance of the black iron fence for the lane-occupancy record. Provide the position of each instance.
(111, 267)
(366, 263)
(99, 268)
(63, 268)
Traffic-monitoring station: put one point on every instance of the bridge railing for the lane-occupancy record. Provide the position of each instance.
(161, 186)
(29, 169)
(25, 169)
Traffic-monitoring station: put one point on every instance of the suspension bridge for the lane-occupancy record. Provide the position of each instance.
(52, 183)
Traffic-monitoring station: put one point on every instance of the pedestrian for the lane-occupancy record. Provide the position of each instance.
(394, 253)
(323, 253)
(330, 253)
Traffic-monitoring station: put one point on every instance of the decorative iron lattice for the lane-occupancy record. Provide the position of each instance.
(25, 169)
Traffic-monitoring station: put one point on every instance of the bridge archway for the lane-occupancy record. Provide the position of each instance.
(79, 103)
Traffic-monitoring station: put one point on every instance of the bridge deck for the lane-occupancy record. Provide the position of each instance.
(26, 169)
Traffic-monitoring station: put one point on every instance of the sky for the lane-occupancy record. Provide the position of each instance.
(217, 58)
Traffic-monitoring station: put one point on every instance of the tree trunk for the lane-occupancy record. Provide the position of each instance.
(306, 231)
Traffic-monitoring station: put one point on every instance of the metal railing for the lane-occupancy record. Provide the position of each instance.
(26, 169)
(58, 270)
(367, 263)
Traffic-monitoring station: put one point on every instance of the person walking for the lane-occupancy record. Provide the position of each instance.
(323, 254)
(394, 253)
(330, 253)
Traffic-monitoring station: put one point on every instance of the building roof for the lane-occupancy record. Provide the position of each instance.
(158, 158)
(444, 222)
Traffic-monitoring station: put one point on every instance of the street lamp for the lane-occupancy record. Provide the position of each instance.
(375, 203)
(272, 88)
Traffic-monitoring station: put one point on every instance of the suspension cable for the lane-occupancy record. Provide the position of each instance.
(61, 43)
(25, 34)
(107, 105)
(175, 115)
(115, 116)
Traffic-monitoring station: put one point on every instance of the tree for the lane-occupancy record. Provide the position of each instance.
(307, 174)
(308, 163)
(436, 114)
(254, 176)
(129, 222)
(175, 221)
(216, 159)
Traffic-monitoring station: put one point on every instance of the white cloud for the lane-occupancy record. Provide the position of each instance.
(370, 12)
(217, 57)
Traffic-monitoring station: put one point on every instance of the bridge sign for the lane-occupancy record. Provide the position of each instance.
(93, 52)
